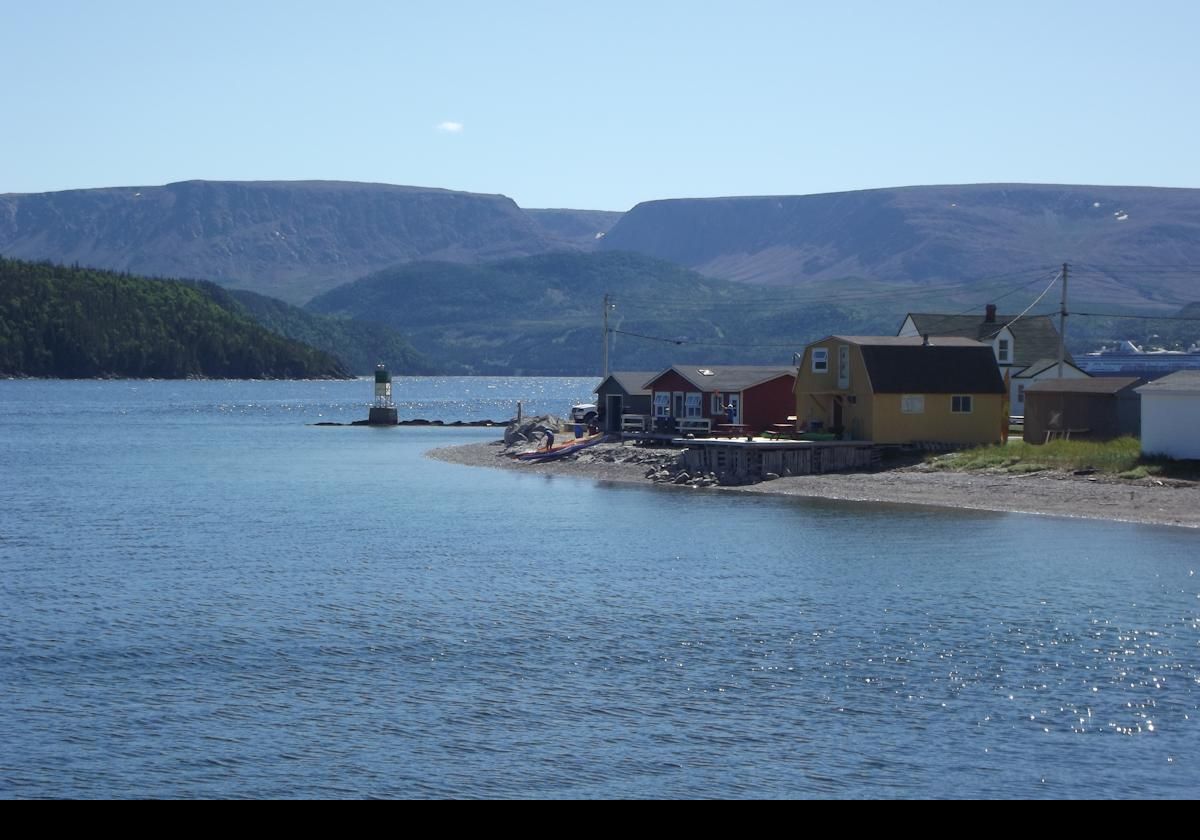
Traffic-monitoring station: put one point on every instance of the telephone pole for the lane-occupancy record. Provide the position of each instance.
(607, 306)
(1062, 324)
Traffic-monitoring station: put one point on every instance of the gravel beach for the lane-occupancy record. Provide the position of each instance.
(1149, 501)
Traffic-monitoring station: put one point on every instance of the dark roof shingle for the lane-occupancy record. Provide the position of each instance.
(1034, 336)
(944, 369)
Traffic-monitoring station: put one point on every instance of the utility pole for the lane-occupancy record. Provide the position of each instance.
(607, 306)
(1062, 324)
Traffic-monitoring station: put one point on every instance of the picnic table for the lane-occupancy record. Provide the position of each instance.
(732, 430)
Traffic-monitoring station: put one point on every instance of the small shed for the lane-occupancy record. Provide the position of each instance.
(622, 392)
(1171, 415)
(1092, 407)
(1039, 371)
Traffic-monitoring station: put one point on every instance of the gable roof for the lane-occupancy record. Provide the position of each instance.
(1043, 365)
(906, 365)
(1092, 385)
(631, 382)
(725, 377)
(1179, 382)
(1034, 336)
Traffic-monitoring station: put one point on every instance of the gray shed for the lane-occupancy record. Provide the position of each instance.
(1096, 408)
(621, 392)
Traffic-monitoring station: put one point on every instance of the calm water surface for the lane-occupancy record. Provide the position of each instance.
(202, 595)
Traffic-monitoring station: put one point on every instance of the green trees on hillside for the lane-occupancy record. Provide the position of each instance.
(77, 322)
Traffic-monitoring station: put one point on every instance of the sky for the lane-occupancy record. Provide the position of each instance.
(599, 106)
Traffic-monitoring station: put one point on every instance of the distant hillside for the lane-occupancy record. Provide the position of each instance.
(295, 240)
(923, 235)
(542, 314)
(582, 229)
(289, 240)
(359, 344)
(83, 323)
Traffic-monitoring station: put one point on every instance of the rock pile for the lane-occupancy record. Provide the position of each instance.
(528, 430)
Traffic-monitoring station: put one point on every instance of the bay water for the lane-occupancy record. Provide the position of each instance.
(202, 594)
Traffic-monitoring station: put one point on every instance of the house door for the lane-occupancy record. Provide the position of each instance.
(612, 413)
(735, 400)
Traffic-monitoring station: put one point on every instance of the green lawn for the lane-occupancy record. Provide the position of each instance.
(1121, 457)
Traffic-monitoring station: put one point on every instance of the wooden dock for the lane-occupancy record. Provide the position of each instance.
(754, 459)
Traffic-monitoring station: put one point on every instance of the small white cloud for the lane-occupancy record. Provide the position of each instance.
(450, 127)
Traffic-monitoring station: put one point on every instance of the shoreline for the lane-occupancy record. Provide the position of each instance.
(1047, 493)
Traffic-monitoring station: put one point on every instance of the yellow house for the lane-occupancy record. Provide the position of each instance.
(900, 389)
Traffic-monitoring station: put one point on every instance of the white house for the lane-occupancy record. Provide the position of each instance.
(1171, 415)
(1018, 343)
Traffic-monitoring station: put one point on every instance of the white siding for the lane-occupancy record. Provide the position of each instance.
(1171, 425)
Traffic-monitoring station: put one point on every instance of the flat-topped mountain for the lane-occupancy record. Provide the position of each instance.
(290, 240)
(923, 235)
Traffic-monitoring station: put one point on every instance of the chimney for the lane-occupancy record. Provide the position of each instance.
(925, 340)
(990, 317)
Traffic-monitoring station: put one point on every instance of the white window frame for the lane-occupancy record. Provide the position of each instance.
(969, 403)
(693, 404)
(1004, 350)
(844, 366)
(820, 360)
(912, 403)
(662, 403)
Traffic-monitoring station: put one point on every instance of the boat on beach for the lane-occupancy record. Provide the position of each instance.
(569, 448)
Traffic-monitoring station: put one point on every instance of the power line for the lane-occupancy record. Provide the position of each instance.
(692, 343)
(1036, 300)
(775, 301)
(1138, 317)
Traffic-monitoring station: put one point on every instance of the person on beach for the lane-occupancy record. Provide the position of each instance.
(549, 437)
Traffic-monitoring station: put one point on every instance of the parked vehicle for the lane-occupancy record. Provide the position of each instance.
(583, 413)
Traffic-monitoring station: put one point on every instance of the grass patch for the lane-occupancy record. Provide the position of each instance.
(1121, 457)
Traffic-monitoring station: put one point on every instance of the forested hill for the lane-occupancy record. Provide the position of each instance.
(541, 315)
(82, 323)
(360, 344)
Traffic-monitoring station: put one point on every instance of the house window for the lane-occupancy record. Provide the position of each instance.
(693, 405)
(820, 360)
(912, 404)
(1003, 351)
(843, 366)
(716, 406)
(662, 403)
(1021, 393)
(960, 404)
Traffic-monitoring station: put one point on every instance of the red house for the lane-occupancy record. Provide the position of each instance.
(759, 396)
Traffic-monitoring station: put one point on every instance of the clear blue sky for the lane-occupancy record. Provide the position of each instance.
(563, 104)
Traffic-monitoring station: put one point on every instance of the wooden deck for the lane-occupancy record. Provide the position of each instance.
(755, 458)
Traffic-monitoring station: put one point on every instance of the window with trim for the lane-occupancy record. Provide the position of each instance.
(662, 404)
(912, 404)
(1020, 393)
(1003, 351)
(693, 405)
(960, 404)
(820, 360)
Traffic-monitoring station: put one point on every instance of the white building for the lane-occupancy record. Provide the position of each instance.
(1171, 415)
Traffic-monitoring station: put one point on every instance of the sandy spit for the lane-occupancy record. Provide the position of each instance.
(1146, 501)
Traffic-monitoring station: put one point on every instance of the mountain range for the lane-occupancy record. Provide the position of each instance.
(478, 284)
(1131, 246)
